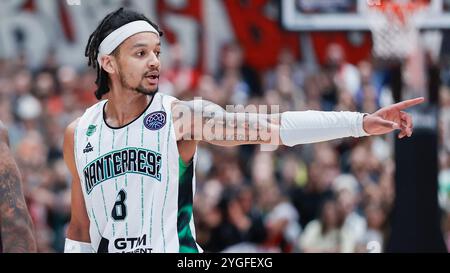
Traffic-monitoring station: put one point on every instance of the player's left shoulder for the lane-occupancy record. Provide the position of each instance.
(171, 100)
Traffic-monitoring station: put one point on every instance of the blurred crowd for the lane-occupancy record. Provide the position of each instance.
(334, 196)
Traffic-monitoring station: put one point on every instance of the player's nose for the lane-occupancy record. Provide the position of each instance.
(153, 61)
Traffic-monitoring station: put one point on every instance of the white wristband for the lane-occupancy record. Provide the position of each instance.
(72, 246)
(302, 127)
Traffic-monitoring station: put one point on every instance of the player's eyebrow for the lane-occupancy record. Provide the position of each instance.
(139, 45)
(144, 45)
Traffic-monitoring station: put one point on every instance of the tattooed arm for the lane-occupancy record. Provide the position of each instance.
(202, 120)
(15, 221)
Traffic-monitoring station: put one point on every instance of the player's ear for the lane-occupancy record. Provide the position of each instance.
(109, 64)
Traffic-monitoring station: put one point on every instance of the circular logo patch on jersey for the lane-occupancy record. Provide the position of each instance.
(155, 121)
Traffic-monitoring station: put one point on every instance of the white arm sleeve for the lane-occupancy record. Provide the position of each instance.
(302, 127)
(72, 246)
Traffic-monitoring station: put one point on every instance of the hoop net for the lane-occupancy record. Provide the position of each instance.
(393, 24)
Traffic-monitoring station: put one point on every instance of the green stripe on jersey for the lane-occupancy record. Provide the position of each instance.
(185, 201)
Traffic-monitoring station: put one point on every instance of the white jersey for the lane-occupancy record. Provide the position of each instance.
(138, 193)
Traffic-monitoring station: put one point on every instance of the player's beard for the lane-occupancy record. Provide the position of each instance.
(140, 88)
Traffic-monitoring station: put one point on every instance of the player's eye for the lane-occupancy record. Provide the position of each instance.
(140, 53)
(158, 54)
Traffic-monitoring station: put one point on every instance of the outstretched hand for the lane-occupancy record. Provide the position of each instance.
(390, 118)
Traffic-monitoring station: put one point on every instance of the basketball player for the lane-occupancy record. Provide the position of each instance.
(133, 155)
(15, 222)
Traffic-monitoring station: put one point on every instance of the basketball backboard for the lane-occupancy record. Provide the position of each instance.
(331, 15)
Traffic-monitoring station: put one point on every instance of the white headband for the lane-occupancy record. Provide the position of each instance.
(115, 38)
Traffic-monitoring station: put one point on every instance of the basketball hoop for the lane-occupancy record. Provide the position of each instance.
(393, 24)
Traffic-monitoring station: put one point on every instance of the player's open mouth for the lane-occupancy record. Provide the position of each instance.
(152, 78)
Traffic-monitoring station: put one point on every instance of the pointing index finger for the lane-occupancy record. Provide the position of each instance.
(409, 103)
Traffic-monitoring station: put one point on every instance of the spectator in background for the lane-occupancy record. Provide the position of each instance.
(341, 74)
(22, 84)
(263, 172)
(238, 80)
(292, 172)
(283, 228)
(345, 75)
(351, 223)
(371, 93)
(51, 62)
(31, 157)
(373, 238)
(345, 101)
(287, 79)
(84, 87)
(45, 87)
(209, 90)
(240, 222)
(207, 211)
(323, 234)
(183, 77)
(360, 169)
(321, 172)
(294, 71)
(313, 90)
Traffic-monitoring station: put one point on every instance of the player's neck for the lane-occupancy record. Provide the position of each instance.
(125, 107)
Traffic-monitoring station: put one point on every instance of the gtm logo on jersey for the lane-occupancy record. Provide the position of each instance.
(126, 245)
(136, 245)
(155, 121)
(117, 163)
